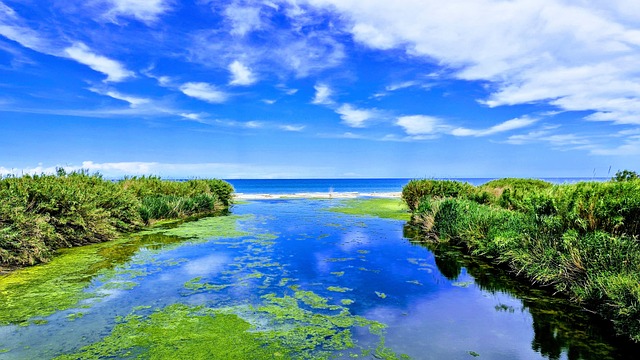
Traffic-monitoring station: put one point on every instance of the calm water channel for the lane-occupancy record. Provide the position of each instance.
(435, 302)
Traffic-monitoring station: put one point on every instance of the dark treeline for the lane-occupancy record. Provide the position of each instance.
(579, 239)
(42, 213)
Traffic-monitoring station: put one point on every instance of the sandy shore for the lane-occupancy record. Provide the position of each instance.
(317, 195)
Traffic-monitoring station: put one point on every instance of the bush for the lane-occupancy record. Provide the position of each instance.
(41, 213)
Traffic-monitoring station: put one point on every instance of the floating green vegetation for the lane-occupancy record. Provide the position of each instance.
(208, 228)
(338, 289)
(197, 285)
(182, 332)
(363, 252)
(347, 301)
(302, 326)
(338, 259)
(379, 207)
(338, 273)
(61, 284)
(474, 354)
(381, 295)
(309, 334)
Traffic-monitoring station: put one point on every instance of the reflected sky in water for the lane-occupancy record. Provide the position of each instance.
(437, 303)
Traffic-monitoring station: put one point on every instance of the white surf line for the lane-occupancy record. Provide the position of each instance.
(317, 195)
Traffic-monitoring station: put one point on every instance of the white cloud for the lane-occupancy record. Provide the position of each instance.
(14, 28)
(401, 85)
(240, 74)
(243, 19)
(508, 125)
(631, 147)
(146, 11)
(293, 128)
(204, 91)
(323, 95)
(133, 101)
(181, 170)
(355, 117)
(530, 50)
(114, 70)
(420, 124)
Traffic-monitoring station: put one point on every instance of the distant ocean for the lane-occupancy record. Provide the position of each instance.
(291, 186)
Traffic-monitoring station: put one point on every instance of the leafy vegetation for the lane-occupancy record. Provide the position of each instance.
(580, 239)
(42, 213)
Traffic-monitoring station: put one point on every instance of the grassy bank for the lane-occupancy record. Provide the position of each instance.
(580, 239)
(42, 213)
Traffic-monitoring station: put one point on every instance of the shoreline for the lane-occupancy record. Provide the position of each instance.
(317, 195)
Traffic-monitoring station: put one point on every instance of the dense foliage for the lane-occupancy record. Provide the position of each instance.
(42, 213)
(581, 239)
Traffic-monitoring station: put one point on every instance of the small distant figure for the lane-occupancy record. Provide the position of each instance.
(331, 192)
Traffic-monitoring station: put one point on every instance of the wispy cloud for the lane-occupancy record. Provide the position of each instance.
(204, 91)
(243, 19)
(133, 101)
(146, 11)
(179, 170)
(508, 125)
(529, 51)
(355, 117)
(241, 75)
(293, 128)
(115, 71)
(323, 95)
(13, 27)
(421, 124)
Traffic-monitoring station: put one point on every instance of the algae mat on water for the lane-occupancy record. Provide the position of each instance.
(302, 326)
(63, 283)
(380, 207)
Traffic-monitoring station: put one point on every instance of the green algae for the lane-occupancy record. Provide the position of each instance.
(302, 326)
(310, 334)
(339, 259)
(338, 273)
(196, 285)
(347, 301)
(66, 281)
(338, 289)
(182, 332)
(381, 295)
(208, 228)
(378, 207)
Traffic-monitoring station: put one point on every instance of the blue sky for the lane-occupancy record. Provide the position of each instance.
(320, 88)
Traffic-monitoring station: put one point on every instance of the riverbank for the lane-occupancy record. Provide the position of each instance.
(42, 213)
(580, 240)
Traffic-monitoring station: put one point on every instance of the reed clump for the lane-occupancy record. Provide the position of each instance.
(581, 240)
(42, 213)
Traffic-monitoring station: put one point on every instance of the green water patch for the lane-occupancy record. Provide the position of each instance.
(379, 207)
(182, 332)
(302, 326)
(39, 291)
(338, 289)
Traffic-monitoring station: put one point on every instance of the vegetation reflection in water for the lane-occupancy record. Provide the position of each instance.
(301, 283)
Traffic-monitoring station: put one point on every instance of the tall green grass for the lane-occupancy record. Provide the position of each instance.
(42, 213)
(579, 239)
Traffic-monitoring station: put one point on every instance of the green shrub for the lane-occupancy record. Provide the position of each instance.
(41, 213)
(581, 239)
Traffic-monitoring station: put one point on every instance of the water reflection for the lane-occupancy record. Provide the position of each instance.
(560, 329)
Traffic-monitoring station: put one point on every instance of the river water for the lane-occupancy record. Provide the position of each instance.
(435, 302)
